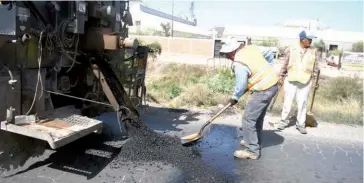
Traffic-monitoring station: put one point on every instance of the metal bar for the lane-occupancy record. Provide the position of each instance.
(172, 18)
(105, 87)
(78, 98)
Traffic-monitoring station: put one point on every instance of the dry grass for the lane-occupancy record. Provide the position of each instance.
(337, 99)
(346, 111)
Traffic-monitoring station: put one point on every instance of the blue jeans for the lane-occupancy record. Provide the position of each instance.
(253, 118)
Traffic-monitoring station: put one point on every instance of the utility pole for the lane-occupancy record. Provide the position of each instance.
(172, 17)
(309, 25)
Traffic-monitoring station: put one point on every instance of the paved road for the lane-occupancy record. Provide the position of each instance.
(285, 158)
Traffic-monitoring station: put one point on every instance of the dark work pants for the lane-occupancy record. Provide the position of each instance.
(253, 118)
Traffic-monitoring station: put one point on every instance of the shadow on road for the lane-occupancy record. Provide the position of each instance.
(89, 155)
(86, 157)
(16, 149)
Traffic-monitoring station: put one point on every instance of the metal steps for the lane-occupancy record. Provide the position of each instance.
(58, 127)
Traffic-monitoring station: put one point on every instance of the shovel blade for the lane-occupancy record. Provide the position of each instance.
(191, 137)
(186, 140)
(310, 120)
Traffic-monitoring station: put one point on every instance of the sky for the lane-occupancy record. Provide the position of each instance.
(340, 15)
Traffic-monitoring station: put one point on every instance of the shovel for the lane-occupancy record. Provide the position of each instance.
(310, 119)
(196, 136)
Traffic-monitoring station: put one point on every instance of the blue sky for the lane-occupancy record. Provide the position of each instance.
(340, 15)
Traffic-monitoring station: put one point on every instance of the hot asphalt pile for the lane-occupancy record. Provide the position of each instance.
(149, 146)
(158, 151)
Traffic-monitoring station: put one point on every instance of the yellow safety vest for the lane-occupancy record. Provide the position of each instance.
(300, 68)
(263, 75)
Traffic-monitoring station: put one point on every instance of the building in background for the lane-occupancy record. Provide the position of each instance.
(305, 24)
(287, 33)
(147, 21)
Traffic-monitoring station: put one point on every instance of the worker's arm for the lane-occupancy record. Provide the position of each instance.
(283, 71)
(242, 74)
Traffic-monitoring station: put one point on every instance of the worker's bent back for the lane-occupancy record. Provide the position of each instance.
(263, 74)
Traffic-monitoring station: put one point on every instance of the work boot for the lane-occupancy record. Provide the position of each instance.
(243, 154)
(242, 143)
(301, 129)
(282, 125)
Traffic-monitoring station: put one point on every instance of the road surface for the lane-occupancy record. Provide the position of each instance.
(286, 157)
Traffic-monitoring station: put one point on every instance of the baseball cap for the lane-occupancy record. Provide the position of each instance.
(308, 35)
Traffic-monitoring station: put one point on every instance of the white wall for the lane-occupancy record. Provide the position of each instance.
(286, 36)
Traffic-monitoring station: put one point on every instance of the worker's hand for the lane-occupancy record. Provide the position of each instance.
(281, 81)
(232, 101)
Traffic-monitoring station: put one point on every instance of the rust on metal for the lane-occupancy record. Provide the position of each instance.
(105, 87)
(56, 124)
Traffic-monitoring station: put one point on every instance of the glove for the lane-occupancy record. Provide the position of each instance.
(232, 101)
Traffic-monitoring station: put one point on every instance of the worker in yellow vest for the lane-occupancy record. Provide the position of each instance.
(252, 73)
(298, 66)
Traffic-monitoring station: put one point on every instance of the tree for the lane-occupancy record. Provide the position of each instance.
(166, 29)
(357, 47)
(320, 46)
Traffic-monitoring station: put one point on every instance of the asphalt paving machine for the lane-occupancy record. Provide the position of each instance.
(63, 63)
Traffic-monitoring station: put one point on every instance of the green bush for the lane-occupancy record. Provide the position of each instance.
(320, 45)
(173, 91)
(343, 88)
(222, 81)
(357, 47)
(336, 52)
(154, 49)
(194, 79)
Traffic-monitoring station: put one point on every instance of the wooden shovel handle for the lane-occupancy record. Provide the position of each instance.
(314, 90)
(214, 117)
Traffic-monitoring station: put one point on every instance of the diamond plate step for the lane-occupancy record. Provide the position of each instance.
(58, 127)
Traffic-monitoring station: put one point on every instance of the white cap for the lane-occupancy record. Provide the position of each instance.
(230, 45)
